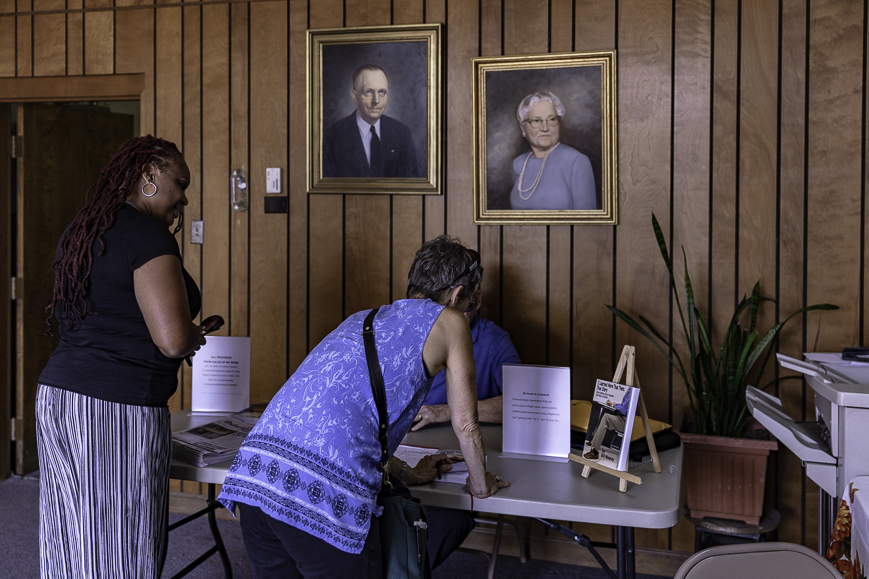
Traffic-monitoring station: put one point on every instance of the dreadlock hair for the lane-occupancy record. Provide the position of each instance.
(117, 179)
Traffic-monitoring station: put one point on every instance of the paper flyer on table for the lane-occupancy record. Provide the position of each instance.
(413, 454)
(221, 375)
(536, 411)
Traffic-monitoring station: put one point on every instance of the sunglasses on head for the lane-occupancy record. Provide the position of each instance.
(470, 269)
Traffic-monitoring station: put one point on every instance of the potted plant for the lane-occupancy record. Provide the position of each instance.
(715, 375)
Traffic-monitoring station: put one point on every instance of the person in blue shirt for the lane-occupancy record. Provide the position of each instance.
(492, 349)
(448, 528)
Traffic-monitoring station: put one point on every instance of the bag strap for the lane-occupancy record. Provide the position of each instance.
(376, 377)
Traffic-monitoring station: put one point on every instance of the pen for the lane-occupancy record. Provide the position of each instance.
(439, 471)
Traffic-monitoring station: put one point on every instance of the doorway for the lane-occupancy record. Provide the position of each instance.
(56, 152)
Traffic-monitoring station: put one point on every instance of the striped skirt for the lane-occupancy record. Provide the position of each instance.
(104, 486)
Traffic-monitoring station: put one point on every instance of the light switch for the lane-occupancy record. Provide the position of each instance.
(196, 231)
(273, 180)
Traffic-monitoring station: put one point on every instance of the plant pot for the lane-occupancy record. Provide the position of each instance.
(725, 477)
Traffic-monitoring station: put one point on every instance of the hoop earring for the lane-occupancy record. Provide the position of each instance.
(152, 185)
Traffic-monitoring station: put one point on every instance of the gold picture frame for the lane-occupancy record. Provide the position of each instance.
(408, 115)
(510, 157)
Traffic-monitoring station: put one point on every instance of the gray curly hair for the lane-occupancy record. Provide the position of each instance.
(535, 98)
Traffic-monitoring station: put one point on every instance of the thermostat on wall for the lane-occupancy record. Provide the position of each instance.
(273, 180)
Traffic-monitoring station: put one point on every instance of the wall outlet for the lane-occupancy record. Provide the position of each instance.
(196, 231)
(273, 180)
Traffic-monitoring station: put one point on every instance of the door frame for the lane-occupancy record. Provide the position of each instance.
(105, 87)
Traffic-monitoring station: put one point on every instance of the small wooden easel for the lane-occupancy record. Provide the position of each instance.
(628, 358)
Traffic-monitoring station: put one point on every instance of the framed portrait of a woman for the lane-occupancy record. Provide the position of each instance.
(374, 110)
(545, 134)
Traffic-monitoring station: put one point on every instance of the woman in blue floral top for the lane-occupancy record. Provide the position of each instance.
(306, 480)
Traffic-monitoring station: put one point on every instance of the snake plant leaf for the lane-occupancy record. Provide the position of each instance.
(715, 380)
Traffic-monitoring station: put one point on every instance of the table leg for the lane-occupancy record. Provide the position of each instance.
(218, 547)
(625, 553)
(215, 532)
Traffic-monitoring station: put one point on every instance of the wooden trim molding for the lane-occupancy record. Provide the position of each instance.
(98, 87)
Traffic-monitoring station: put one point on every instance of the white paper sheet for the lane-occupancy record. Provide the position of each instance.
(536, 411)
(221, 375)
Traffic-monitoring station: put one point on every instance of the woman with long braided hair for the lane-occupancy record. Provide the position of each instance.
(124, 307)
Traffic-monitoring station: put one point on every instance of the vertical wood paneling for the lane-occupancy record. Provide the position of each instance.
(366, 248)
(75, 38)
(7, 38)
(295, 181)
(722, 284)
(490, 235)
(134, 45)
(593, 247)
(435, 208)
(757, 153)
(791, 266)
(191, 146)
(691, 195)
(406, 217)
(644, 160)
(240, 158)
(168, 125)
(268, 126)
(461, 47)
(24, 46)
(558, 308)
(836, 51)
(98, 35)
(49, 55)
(691, 157)
(524, 264)
(326, 227)
(215, 160)
(700, 101)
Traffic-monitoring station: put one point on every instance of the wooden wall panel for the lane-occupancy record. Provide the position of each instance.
(644, 179)
(24, 38)
(739, 127)
(268, 268)
(691, 134)
(434, 210)
(295, 183)
(792, 500)
(757, 154)
(75, 38)
(99, 34)
(325, 227)
(461, 47)
(593, 247)
(366, 247)
(524, 259)
(190, 97)
(836, 50)
(725, 63)
(239, 228)
(7, 38)
(216, 169)
(49, 56)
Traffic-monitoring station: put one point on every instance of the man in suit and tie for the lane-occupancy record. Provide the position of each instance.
(368, 143)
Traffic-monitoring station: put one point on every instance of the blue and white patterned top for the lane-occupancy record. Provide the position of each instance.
(311, 459)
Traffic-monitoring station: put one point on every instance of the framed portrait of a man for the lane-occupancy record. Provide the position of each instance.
(374, 110)
(545, 149)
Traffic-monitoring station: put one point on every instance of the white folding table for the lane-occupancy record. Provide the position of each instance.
(540, 489)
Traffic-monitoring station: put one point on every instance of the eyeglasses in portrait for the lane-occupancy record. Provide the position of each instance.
(545, 147)
(374, 110)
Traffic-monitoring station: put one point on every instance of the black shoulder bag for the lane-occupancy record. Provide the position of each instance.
(403, 531)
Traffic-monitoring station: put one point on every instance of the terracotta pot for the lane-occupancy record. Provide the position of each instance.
(725, 477)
